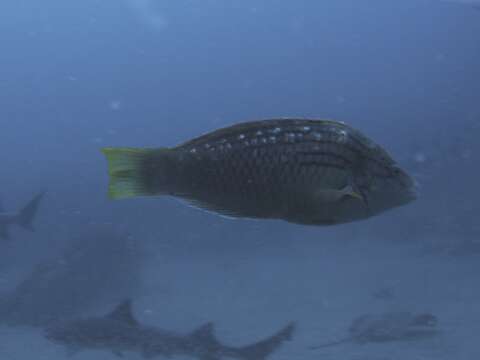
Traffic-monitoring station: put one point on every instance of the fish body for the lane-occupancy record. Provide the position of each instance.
(120, 332)
(394, 326)
(303, 171)
(24, 218)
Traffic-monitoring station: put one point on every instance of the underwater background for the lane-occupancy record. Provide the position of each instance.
(80, 75)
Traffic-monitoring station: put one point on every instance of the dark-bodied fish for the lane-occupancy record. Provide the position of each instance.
(303, 171)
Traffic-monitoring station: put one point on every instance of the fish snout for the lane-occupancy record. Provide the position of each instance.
(409, 184)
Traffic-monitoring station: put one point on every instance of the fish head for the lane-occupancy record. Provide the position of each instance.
(371, 196)
(392, 189)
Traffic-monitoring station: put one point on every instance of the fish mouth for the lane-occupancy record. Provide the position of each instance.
(412, 194)
(413, 191)
(408, 196)
(410, 185)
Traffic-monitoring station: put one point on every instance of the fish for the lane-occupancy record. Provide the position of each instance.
(313, 172)
(99, 265)
(23, 218)
(393, 326)
(119, 332)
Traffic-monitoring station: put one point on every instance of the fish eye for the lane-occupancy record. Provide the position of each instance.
(398, 172)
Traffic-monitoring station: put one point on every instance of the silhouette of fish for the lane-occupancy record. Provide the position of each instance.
(120, 332)
(395, 326)
(314, 172)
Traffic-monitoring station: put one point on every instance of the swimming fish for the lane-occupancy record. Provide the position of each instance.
(316, 172)
(394, 326)
(120, 332)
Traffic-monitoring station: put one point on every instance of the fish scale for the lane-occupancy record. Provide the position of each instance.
(263, 166)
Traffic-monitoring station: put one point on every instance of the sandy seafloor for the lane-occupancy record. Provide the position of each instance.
(251, 295)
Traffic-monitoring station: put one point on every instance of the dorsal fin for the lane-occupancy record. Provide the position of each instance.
(205, 333)
(123, 313)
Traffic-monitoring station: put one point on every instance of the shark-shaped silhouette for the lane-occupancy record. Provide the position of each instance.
(120, 332)
(23, 218)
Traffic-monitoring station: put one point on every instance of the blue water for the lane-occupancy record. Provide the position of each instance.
(80, 75)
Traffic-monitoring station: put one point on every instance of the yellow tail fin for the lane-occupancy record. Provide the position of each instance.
(125, 171)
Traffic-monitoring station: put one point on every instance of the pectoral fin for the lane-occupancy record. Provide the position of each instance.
(336, 195)
(350, 192)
